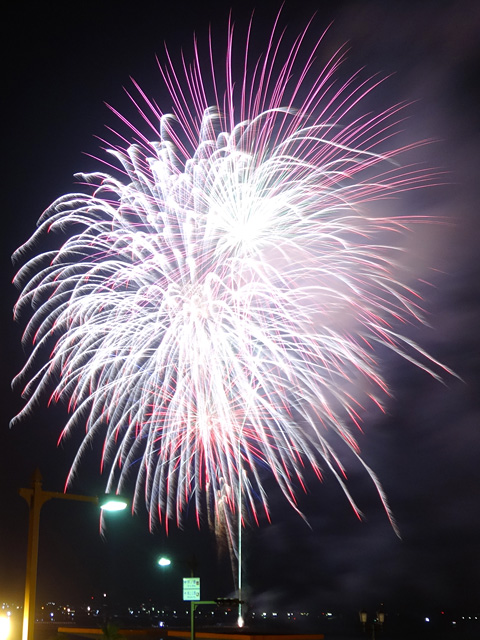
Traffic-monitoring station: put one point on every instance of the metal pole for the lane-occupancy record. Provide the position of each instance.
(192, 620)
(36, 498)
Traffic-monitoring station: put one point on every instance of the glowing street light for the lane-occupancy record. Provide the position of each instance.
(36, 498)
(4, 627)
(110, 502)
(164, 562)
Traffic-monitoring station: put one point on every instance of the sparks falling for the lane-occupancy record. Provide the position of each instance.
(215, 310)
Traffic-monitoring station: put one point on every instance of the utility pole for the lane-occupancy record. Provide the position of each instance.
(36, 498)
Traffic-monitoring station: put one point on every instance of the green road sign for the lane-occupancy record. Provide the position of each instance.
(191, 589)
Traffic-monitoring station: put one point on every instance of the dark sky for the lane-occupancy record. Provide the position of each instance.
(62, 63)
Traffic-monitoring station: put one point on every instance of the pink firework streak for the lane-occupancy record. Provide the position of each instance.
(215, 310)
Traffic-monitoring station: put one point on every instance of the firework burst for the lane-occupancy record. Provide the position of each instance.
(216, 305)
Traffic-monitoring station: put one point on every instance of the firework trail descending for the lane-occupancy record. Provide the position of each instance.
(217, 303)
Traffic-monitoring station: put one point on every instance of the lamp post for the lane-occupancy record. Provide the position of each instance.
(163, 562)
(4, 627)
(377, 621)
(36, 498)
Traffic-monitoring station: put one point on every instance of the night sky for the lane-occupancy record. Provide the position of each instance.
(63, 62)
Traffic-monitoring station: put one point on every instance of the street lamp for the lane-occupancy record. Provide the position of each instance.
(109, 502)
(164, 562)
(377, 621)
(36, 498)
(4, 627)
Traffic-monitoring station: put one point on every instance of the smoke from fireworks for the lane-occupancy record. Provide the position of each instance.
(217, 304)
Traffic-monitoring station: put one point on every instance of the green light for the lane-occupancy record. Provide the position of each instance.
(164, 562)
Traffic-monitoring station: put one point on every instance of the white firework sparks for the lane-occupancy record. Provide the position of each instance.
(215, 306)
